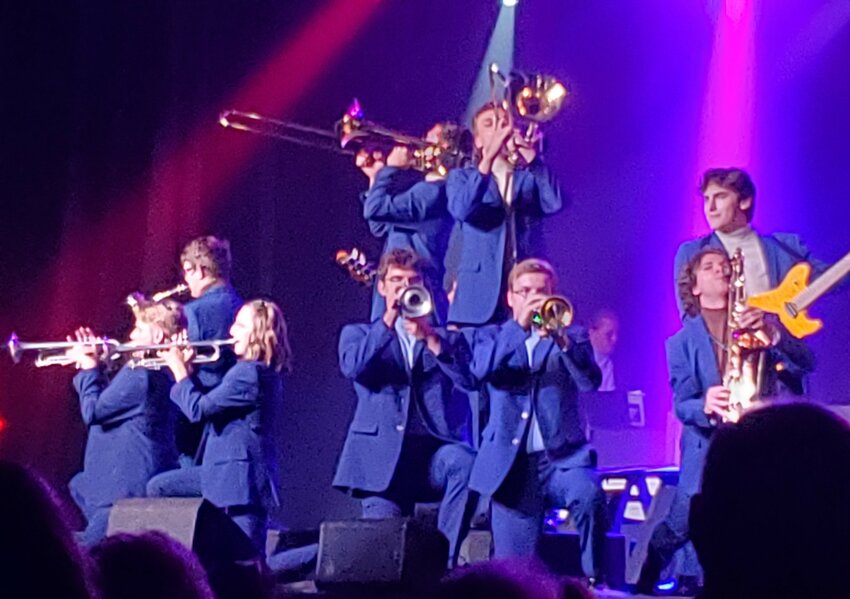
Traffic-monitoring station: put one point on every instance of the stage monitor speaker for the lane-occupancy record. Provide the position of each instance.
(193, 522)
(387, 552)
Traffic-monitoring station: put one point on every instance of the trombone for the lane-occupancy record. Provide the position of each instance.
(52, 353)
(531, 99)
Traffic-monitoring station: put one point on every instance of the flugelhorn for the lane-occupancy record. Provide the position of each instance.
(554, 316)
(52, 353)
(531, 99)
(415, 301)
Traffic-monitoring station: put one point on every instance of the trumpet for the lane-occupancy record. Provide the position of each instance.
(415, 301)
(135, 299)
(554, 316)
(52, 353)
(531, 99)
(206, 352)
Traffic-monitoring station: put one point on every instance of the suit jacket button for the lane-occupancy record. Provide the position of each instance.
(525, 415)
(399, 427)
(514, 441)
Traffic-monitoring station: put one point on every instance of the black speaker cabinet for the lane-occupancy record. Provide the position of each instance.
(388, 552)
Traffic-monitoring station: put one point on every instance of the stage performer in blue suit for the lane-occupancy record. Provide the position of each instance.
(729, 197)
(498, 208)
(534, 453)
(696, 359)
(206, 264)
(405, 442)
(238, 470)
(129, 419)
(409, 209)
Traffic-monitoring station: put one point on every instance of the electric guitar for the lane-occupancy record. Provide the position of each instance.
(357, 266)
(794, 295)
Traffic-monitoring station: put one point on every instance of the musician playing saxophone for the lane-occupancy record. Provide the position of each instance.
(129, 419)
(697, 358)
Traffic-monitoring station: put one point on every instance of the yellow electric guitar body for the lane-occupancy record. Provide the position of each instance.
(780, 301)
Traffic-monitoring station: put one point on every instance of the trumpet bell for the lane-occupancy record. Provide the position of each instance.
(555, 314)
(415, 301)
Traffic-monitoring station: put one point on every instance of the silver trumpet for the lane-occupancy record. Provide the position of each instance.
(206, 352)
(52, 353)
(415, 301)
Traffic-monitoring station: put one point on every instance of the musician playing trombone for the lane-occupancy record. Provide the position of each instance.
(499, 208)
(698, 360)
(408, 209)
(129, 419)
(238, 465)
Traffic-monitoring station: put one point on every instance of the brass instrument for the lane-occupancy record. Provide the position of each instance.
(135, 299)
(744, 358)
(555, 315)
(52, 353)
(206, 352)
(530, 99)
(352, 132)
(415, 301)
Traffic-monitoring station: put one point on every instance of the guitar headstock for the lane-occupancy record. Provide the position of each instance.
(358, 267)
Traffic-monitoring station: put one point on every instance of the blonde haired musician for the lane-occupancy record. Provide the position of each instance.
(129, 419)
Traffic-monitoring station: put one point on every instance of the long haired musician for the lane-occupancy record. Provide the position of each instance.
(703, 374)
(129, 419)
(238, 470)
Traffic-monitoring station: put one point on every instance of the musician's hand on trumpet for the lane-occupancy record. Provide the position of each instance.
(179, 357)
(420, 328)
(370, 161)
(85, 354)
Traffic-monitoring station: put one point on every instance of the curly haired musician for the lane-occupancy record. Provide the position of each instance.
(696, 359)
(238, 466)
(409, 210)
(499, 210)
(129, 419)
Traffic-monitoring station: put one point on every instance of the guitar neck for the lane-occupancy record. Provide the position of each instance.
(823, 283)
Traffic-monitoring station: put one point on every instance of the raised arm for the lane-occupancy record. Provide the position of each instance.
(361, 348)
(418, 202)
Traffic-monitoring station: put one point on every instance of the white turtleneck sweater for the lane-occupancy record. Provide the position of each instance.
(755, 265)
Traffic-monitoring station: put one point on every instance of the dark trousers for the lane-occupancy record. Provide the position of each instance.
(186, 482)
(429, 470)
(670, 536)
(535, 484)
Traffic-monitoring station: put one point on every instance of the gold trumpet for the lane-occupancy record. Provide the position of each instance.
(554, 316)
(135, 299)
(531, 100)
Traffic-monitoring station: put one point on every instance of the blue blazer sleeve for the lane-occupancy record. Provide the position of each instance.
(361, 347)
(688, 394)
(578, 361)
(103, 403)
(546, 196)
(498, 352)
(417, 203)
(240, 388)
(468, 199)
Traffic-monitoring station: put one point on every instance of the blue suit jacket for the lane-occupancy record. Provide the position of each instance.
(410, 213)
(210, 317)
(550, 387)
(130, 433)
(474, 200)
(781, 252)
(371, 356)
(239, 461)
(693, 369)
